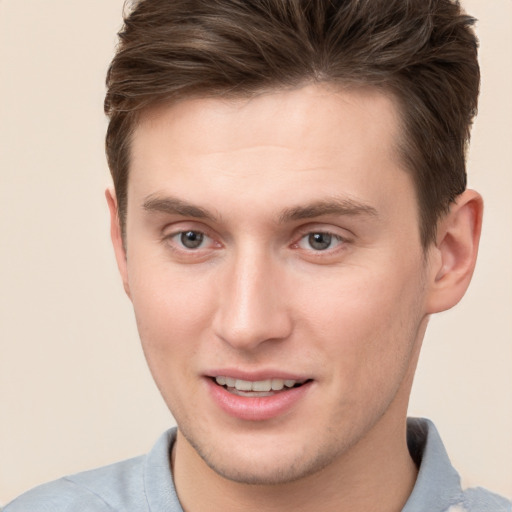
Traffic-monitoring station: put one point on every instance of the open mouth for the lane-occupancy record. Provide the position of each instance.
(259, 388)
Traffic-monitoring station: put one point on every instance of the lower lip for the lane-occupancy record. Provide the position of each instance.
(257, 408)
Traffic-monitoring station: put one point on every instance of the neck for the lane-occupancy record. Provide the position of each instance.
(376, 474)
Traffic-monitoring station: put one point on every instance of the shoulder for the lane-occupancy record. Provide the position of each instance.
(478, 499)
(60, 496)
(98, 490)
(135, 485)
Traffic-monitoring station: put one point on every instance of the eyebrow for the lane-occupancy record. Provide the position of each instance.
(175, 206)
(334, 206)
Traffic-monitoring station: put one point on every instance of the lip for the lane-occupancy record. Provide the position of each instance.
(257, 408)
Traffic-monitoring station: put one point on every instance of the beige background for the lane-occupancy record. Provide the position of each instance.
(74, 389)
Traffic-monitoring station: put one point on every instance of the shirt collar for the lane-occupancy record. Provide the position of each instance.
(438, 485)
(158, 483)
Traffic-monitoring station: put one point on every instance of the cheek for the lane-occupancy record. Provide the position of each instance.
(369, 320)
(172, 320)
(172, 307)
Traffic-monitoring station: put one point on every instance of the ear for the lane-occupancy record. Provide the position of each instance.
(453, 257)
(117, 238)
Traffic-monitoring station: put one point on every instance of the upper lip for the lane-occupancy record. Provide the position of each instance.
(256, 375)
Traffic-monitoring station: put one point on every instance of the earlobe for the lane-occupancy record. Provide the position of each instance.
(117, 237)
(453, 258)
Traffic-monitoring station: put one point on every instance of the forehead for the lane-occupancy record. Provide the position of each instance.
(279, 117)
(313, 140)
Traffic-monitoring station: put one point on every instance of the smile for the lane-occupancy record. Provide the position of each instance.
(265, 387)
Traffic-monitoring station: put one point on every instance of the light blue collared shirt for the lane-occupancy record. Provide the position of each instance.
(145, 483)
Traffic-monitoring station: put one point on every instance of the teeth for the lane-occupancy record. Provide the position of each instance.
(257, 385)
(260, 385)
(277, 384)
(243, 385)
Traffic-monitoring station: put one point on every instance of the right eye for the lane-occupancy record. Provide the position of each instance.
(190, 240)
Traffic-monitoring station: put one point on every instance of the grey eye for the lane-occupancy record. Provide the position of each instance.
(319, 241)
(191, 239)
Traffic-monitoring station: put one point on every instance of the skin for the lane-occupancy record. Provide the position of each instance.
(257, 177)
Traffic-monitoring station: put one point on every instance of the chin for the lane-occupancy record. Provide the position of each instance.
(275, 473)
(273, 465)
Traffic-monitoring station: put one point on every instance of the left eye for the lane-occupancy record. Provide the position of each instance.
(190, 239)
(319, 241)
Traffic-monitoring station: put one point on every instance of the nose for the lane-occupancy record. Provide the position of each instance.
(253, 306)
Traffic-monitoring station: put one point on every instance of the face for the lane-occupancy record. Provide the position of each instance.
(277, 276)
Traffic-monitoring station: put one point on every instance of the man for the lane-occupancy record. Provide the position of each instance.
(289, 208)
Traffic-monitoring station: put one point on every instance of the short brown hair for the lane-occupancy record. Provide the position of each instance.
(424, 52)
